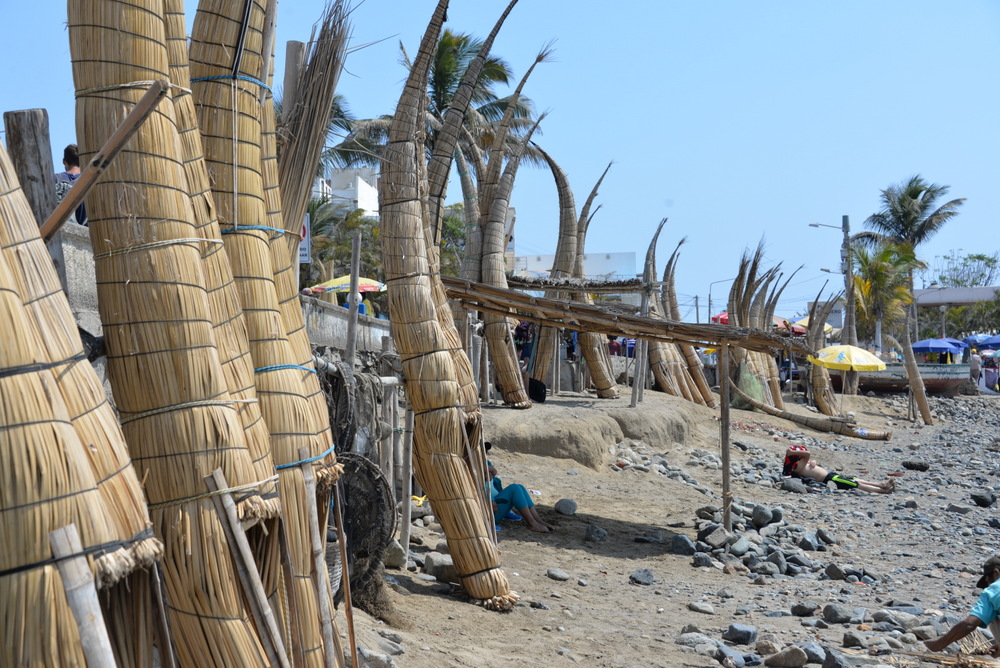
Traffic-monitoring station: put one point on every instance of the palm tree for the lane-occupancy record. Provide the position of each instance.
(908, 217)
(332, 226)
(451, 59)
(881, 288)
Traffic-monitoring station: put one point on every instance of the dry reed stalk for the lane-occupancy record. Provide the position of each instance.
(431, 381)
(82, 391)
(48, 483)
(228, 324)
(229, 112)
(178, 417)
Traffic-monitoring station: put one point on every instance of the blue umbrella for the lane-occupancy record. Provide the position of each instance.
(956, 342)
(992, 342)
(934, 346)
(975, 339)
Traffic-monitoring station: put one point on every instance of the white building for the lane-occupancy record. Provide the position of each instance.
(357, 187)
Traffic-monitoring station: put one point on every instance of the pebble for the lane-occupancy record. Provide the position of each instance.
(565, 507)
(557, 575)
(701, 607)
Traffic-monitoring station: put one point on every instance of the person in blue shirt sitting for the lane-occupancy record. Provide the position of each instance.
(985, 612)
(513, 497)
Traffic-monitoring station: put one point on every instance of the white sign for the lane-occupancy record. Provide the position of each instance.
(305, 243)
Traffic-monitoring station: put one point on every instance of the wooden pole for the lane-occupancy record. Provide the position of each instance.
(321, 578)
(246, 568)
(555, 361)
(397, 454)
(165, 639)
(81, 593)
(486, 391)
(99, 163)
(292, 620)
(352, 297)
(295, 53)
(345, 571)
(31, 152)
(476, 357)
(407, 476)
(385, 446)
(727, 494)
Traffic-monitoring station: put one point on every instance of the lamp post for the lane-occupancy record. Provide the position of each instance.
(850, 328)
(710, 294)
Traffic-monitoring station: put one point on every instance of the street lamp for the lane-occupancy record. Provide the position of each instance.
(710, 294)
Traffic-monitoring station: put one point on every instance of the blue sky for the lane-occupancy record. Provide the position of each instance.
(738, 121)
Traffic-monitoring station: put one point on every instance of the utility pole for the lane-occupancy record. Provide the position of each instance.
(697, 313)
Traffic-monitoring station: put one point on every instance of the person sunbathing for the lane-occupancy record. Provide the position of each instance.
(799, 465)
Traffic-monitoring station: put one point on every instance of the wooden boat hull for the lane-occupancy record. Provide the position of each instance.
(938, 378)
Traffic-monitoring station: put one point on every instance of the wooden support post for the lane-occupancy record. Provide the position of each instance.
(81, 593)
(485, 391)
(727, 493)
(397, 454)
(407, 476)
(556, 362)
(246, 568)
(295, 55)
(642, 367)
(385, 446)
(31, 153)
(345, 571)
(321, 577)
(352, 321)
(476, 357)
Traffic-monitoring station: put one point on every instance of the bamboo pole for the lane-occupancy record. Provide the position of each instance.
(78, 581)
(727, 493)
(99, 163)
(246, 568)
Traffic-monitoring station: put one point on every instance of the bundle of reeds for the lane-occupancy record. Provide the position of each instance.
(431, 380)
(93, 418)
(82, 391)
(228, 324)
(177, 414)
(48, 483)
(668, 301)
(227, 64)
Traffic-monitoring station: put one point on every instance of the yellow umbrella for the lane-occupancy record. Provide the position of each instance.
(343, 284)
(849, 358)
(827, 327)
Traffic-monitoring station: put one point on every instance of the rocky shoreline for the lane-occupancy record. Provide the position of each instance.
(806, 577)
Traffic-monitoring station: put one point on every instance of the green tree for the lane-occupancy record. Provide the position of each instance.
(881, 287)
(908, 216)
(963, 271)
(452, 57)
(333, 224)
